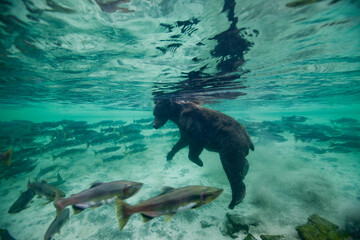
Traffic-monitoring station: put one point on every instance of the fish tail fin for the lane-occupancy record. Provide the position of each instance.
(122, 215)
(53, 157)
(57, 204)
(59, 178)
(8, 156)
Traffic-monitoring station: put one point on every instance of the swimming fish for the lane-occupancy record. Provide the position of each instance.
(108, 130)
(69, 152)
(44, 171)
(6, 157)
(18, 168)
(97, 195)
(107, 150)
(59, 180)
(168, 203)
(43, 189)
(143, 120)
(56, 225)
(107, 123)
(113, 158)
(300, 3)
(103, 139)
(22, 201)
(136, 148)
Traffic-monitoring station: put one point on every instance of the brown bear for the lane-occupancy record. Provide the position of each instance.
(205, 128)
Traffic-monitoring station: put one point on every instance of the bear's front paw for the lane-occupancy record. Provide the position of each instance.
(169, 156)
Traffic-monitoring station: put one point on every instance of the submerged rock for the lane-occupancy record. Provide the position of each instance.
(352, 225)
(236, 223)
(5, 235)
(205, 224)
(318, 228)
(272, 237)
(250, 237)
(210, 221)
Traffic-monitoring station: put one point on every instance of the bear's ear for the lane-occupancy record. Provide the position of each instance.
(173, 105)
(166, 107)
(165, 104)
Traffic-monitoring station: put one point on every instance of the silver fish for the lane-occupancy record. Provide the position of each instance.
(56, 225)
(22, 201)
(168, 203)
(43, 189)
(98, 194)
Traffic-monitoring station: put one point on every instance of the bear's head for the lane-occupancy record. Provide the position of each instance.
(164, 110)
(161, 113)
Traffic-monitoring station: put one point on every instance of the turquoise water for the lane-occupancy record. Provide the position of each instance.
(75, 64)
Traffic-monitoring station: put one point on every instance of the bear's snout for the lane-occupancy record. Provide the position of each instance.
(158, 124)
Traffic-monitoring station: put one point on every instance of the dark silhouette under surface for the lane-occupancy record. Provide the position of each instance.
(205, 128)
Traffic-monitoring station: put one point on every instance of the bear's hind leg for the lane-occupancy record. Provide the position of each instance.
(236, 167)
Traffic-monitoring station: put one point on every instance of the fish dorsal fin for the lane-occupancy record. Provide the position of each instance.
(146, 218)
(59, 178)
(166, 189)
(168, 217)
(95, 184)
